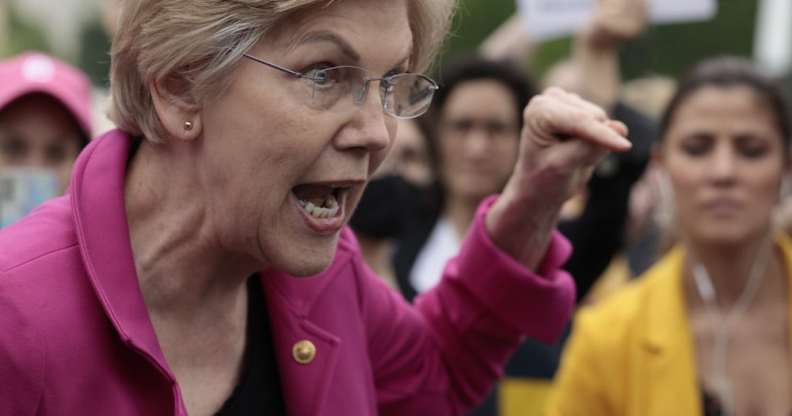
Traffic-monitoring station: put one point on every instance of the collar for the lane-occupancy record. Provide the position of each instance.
(99, 212)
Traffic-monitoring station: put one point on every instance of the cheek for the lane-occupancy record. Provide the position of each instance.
(684, 180)
(448, 154)
(685, 174)
(64, 169)
(766, 181)
(510, 151)
(378, 157)
(504, 155)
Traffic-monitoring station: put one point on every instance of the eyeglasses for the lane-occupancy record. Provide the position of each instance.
(403, 96)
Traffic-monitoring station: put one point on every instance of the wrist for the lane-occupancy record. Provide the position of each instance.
(522, 226)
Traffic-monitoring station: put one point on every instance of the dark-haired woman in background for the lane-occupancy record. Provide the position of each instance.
(476, 137)
(706, 330)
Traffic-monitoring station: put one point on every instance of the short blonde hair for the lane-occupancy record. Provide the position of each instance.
(197, 44)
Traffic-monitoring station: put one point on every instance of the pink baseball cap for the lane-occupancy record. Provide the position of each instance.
(34, 72)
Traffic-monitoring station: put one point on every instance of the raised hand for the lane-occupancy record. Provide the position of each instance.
(616, 21)
(562, 140)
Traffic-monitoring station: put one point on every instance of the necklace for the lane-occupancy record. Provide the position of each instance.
(706, 290)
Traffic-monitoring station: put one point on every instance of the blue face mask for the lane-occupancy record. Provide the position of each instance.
(22, 190)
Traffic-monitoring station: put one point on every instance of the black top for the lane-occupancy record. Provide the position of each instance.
(711, 405)
(259, 391)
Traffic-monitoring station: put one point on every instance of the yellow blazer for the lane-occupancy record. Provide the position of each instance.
(633, 353)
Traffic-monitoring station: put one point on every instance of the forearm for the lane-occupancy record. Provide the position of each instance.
(598, 62)
(522, 228)
(510, 41)
(446, 357)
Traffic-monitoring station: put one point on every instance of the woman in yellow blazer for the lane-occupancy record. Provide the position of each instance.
(707, 330)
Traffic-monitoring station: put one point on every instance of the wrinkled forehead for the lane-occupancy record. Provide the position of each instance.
(369, 29)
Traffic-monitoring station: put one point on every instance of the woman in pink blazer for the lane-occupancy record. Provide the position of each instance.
(200, 264)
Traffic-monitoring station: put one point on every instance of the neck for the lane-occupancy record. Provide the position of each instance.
(182, 268)
(730, 267)
(460, 211)
(377, 254)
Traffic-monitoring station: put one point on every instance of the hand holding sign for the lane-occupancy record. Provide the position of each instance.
(545, 19)
(616, 21)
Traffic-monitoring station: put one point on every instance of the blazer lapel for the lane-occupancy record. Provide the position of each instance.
(306, 353)
(785, 244)
(669, 385)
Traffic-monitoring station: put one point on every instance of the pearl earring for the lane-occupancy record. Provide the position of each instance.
(188, 125)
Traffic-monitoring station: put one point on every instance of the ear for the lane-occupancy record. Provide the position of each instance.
(788, 163)
(177, 110)
(786, 180)
(657, 155)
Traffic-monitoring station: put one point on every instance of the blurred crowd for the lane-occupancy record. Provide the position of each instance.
(681, 248)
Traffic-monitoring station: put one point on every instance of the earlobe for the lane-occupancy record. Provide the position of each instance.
(180, 118)
(656, 155)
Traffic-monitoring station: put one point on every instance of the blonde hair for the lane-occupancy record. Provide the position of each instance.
(196, 44)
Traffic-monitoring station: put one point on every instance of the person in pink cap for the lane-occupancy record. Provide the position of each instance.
(45, 114)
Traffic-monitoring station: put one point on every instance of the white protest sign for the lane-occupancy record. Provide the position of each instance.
(546, 19)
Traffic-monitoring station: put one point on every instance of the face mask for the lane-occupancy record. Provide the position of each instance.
(22, 190)
(385, 207)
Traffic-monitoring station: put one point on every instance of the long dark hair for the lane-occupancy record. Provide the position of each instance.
(729, 71)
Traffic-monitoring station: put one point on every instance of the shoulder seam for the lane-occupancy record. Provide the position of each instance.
(26, 262)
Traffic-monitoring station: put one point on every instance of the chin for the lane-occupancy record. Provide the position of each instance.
(728, 234)
(308, 269)
(303, 260)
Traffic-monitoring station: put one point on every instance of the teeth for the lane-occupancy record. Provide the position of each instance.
(331, 203)
(330, 208)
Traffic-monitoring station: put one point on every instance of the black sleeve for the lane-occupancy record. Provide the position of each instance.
(598, 233)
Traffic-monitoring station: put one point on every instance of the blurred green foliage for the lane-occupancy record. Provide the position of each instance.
(94, 56)
(474, 20)
(671, 49)
(666, 49)
(24, 36)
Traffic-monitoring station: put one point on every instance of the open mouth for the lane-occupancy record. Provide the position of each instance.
(322, 203)
(319, 201)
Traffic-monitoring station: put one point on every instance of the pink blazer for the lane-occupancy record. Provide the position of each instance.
(76, 339)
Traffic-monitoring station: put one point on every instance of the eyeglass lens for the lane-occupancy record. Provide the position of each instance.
(402, 95)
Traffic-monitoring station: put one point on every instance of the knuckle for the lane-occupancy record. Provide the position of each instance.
(582, 115)
(537, 104)
(599, 113)
(554, 91)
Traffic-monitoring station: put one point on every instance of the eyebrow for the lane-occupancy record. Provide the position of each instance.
(325, 36)
(347, 49)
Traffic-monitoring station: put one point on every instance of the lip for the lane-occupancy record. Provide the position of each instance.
(723, 206)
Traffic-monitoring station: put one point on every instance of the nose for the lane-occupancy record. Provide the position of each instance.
(723, 165)
(369, 128)
(39, 160)
(476, 143)
(31, 159)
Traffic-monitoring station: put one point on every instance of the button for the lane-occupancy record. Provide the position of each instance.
(304, 351)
